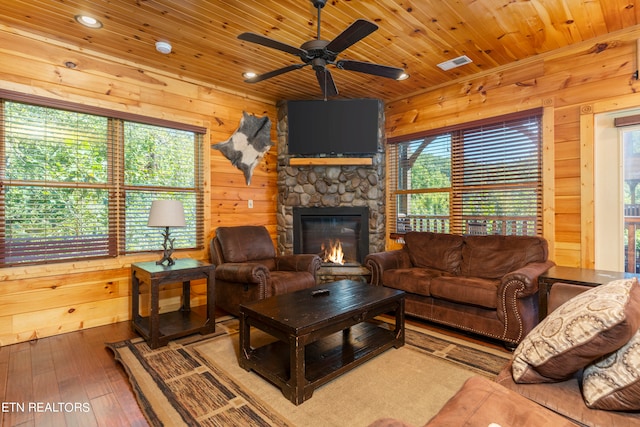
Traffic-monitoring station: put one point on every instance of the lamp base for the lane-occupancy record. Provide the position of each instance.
(168, 249)
(170, 261)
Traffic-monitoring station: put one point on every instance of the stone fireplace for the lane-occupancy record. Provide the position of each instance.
(322, 182)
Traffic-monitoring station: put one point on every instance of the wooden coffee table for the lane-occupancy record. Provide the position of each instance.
(319, 337)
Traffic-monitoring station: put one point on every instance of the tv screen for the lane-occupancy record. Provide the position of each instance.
(347, 126)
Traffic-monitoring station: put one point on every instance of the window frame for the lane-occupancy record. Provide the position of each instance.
(114, 185)
(455, 223)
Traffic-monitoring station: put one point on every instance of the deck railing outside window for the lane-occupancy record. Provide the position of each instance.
(483, 225)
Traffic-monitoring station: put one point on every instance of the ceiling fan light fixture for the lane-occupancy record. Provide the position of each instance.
(88, 21)
(403, 76)
(455, 62)
(249, 75)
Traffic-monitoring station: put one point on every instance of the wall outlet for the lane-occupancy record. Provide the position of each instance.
(250, 204)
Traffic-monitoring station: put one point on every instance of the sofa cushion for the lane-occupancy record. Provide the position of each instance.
(466, 290)
(613, 383)
(435, 250)
(481, 402)
(565, 398)
(492, 257)
(412, 280)
(245, 243)
(592, 324)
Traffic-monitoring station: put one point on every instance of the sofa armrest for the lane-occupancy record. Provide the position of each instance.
(242, 272)
(378, 262)
(299, 262)
(526, 278)
(518, 300)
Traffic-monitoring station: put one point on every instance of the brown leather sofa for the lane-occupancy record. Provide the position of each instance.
(248, 269)
(481, 402)
(483, 284)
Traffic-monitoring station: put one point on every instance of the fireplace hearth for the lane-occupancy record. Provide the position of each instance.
(339, 235)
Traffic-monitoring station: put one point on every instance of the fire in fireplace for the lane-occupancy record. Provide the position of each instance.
(332, 252)
(338, 235)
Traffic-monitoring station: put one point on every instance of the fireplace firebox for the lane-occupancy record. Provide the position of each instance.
(338, 235)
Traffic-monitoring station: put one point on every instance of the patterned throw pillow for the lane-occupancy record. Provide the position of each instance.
(588, 326)
(613, 383)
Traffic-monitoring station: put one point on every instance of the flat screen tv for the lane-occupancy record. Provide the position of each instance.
(348, 126)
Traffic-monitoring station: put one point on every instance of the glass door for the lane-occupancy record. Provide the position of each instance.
(630, 137)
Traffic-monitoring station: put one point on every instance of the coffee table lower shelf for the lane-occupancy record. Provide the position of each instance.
(325, 359)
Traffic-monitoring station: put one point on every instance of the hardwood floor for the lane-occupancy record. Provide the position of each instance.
(74, 380)
(68, 380)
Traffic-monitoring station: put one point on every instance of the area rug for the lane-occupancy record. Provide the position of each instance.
(197, 381)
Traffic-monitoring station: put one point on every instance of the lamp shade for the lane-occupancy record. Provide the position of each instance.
(166, 213)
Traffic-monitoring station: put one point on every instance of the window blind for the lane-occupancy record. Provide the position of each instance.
(480, 178)
(497, 178)
(421, 200)
(160, 164)
(55, 180)
(77, 185)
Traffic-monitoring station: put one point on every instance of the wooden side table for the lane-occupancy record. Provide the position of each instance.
(158, 329)
(574, 276)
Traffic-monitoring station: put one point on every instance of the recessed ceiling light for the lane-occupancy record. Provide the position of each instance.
(88, 21)
(249, 75)
(455, 62)
(403, 76)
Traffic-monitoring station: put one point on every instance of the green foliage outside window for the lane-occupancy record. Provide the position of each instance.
(68, 193)
(484, 179)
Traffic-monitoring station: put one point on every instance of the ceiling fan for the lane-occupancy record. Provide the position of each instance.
(319, 53)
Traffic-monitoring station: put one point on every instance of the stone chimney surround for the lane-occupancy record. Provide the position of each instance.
(325, 185)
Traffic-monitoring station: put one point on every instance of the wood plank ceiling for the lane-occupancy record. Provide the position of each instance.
(413, 34)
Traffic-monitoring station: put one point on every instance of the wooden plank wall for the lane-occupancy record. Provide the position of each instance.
(40, 301)
(571, 85)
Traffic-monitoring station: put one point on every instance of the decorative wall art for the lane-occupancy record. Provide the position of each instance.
(248, 144)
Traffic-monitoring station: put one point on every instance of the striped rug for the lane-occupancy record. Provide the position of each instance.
(196, 381)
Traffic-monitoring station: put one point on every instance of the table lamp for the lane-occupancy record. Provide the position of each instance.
(166, 213)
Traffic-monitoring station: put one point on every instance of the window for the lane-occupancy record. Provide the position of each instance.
(479, 178)
(77, 184)
(616, 190)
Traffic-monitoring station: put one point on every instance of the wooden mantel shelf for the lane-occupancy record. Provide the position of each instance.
(330, 161)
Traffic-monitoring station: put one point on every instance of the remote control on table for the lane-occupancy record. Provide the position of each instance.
(320, 292)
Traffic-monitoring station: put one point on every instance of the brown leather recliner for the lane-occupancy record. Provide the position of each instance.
(248, 269)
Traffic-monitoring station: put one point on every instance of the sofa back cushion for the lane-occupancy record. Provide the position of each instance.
(435, 250)
(246, 243)
(493, 256)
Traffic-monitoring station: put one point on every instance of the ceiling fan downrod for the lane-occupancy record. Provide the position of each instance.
(319, 4)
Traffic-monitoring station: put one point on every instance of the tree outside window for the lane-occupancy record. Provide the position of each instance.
(77, 185)
(478, 178)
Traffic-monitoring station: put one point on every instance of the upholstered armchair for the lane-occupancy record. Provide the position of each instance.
(248, 269)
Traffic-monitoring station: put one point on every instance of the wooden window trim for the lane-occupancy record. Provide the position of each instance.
(99, 111)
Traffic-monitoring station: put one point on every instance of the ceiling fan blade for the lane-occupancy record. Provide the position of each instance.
(354, 33)
(370, 68)
(327, 85)
(274, 44)
(274, 73)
